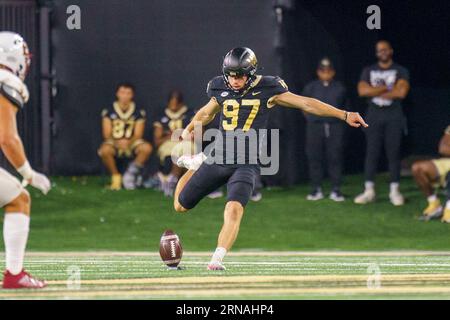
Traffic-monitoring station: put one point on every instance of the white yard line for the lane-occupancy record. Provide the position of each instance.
(248, 263)
(261, 279)
(229, 292)
(405, 253)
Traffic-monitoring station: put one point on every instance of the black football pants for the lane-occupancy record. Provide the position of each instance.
(324, 141)
(385, 129)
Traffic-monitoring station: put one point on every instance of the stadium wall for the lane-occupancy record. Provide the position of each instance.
(158, 46)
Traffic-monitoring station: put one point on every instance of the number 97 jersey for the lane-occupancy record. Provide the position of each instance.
(243, 113)
(248, 109)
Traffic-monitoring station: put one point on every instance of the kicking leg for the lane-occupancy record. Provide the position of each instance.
(194, 185)
(180, 186)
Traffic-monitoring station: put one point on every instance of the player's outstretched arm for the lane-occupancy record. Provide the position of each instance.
(12, 147)
(318, 108)
(204, 116)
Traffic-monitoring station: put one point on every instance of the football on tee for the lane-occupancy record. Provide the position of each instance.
(170, 249)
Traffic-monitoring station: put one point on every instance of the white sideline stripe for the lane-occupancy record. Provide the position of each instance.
(259, 279)
(228, 292)
(249, 263)
(244, 253)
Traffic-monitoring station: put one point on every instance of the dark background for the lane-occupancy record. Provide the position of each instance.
(161, 45)
(158, 46)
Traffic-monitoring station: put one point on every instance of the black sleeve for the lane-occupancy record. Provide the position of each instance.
(365, 75)
(278, 86)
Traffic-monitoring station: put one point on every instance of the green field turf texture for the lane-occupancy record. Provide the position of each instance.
(80, 214)
(133, 271)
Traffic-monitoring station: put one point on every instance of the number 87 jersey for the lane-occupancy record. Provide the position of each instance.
(248, 109)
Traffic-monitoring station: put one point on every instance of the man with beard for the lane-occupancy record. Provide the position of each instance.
(385, 84)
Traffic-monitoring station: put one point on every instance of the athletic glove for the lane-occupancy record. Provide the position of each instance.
(35, 179)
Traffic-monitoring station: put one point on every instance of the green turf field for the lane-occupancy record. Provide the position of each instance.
(288, 248)
(253, 275)
(79, 214)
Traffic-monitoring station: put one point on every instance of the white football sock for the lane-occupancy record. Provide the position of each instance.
(369, 185)
(447, 205)
(15, 235)
(432, 198)
(394, 187)
(218, 255)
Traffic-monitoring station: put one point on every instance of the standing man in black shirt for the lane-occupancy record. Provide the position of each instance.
(324, 136)
(385, 84)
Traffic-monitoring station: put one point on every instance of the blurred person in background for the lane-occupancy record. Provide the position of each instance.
(385, 84)
(429, 175)
(123, 127)
(324, 136)
(176, 116)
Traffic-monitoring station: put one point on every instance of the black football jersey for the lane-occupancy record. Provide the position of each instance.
(172, 121)
(123, 122)
(244, 111)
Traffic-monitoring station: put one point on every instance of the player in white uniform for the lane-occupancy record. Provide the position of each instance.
(14, 64)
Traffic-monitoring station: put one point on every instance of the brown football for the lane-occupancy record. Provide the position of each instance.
(170, 249)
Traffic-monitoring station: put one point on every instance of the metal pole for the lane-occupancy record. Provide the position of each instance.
(45, 63)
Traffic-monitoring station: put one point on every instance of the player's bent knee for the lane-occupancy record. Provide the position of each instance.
(145, 148)
(421, 167)
(106, 150)
(234, 211)
(178, 207)
(20, 204)
(416, 168)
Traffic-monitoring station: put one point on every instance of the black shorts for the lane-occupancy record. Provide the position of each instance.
(240, 182)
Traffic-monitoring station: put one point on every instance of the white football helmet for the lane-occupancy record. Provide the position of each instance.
(14, 54)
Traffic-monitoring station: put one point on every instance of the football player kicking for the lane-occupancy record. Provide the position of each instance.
(243, 100)
(14, 64)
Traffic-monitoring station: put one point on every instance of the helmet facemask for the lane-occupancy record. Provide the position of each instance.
(240, 62)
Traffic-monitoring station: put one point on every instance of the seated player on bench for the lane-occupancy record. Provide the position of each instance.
(176, 116)
(123, 126)
(429, 175)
